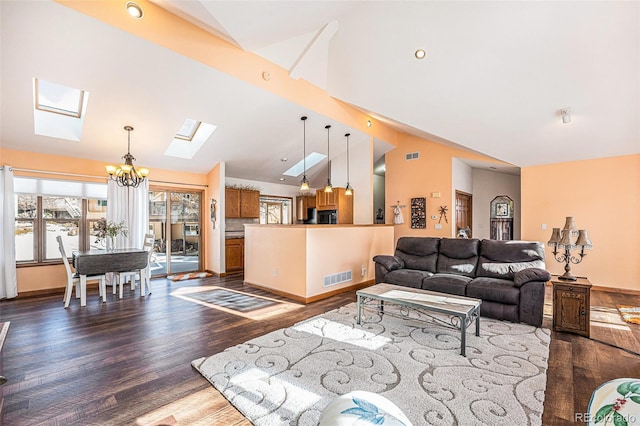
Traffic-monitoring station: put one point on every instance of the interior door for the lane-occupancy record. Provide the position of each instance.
(464, 212)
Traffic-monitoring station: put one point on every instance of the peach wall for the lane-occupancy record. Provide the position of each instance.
(432, 172)
(294, 259)
(165, 29)
(604, 197)
(54, 276)
(276, 257)
(332, 250)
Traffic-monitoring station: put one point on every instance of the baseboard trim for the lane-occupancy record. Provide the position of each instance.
(307, 300)
(616, 290)
(216, 274)
(48, 291)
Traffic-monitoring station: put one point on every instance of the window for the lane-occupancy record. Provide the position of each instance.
(40, 219)
(46, 208)
(275, 210)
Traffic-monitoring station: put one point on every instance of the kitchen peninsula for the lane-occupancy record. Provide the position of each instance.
(310, 262)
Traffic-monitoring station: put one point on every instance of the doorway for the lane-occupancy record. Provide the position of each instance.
(175, 222)
(464, 212)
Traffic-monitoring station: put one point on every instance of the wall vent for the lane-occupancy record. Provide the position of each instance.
(340, 277)
(412, 156)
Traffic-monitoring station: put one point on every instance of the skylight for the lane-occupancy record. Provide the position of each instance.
(57, 98)
(298, 168)
(188, 129)
(58, 111)
(189, 139)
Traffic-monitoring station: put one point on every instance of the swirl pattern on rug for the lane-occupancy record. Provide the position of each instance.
(288, 376)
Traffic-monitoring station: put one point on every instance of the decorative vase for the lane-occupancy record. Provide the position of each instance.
(111, 243)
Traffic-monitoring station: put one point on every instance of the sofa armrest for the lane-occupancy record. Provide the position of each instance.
(391, 263)
(530, 274)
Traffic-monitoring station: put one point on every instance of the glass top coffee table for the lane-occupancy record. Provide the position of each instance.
(462, 311)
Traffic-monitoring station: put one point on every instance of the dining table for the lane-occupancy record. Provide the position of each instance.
(98, 262)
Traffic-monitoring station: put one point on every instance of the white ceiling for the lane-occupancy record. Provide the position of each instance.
(494, 80)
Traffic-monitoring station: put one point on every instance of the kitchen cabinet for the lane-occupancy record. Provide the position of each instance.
(572, 306)
(242, 203)
(303, 204)
(234, 254)
(336, 200)
(249, 204)
(327, 200)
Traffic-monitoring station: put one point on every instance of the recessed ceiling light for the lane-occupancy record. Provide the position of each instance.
(284, 159)
(134, 10)
(282, 179)
(493, 168)
(368, 123)
(420, 54)
(266, 76)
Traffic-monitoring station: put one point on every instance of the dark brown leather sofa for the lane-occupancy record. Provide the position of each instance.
(508, 276)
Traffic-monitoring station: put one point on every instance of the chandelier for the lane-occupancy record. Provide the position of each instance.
(126, 174)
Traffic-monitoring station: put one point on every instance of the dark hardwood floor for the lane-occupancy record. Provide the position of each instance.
(127, 362)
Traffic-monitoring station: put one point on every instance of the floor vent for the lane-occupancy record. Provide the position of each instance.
(340, 277)
(412, 156)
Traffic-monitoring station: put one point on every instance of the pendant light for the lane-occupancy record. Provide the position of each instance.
(328, 187)
(126, 174)
(349, 189)
(304, 183)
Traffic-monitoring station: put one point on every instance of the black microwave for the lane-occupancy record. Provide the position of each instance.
(327, 216)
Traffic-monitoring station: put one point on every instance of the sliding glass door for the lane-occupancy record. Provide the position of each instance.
(175, 221)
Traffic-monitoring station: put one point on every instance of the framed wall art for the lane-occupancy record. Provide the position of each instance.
(419, 213)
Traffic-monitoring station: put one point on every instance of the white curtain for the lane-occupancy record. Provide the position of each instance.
(130, 205)
(8, 280)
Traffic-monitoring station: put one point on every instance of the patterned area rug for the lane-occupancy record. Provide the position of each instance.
(630, 314)
(189, 276)
(289, 376)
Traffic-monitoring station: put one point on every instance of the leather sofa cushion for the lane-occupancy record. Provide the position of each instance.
(406, 277)
(494, 289)
(530, 274)
(419, 253)
(458, 256)
(391, 263)
(446, 283)
(500, 259)
(499, 311)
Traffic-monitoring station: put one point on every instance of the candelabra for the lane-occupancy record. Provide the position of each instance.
(563, 241)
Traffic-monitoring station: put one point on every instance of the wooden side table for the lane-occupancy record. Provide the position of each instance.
(571, 305)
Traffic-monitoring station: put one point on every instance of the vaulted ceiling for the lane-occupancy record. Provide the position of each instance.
(494, 79)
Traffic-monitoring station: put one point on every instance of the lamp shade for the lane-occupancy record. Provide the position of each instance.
(570, 224)
(555, 237)
(565, 241)
(583, 239)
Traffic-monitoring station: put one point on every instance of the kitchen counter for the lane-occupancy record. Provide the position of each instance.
(311, 262)
(233, 234)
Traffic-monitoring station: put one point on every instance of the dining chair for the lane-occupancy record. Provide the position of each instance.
(143, 275)
(74, 279)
